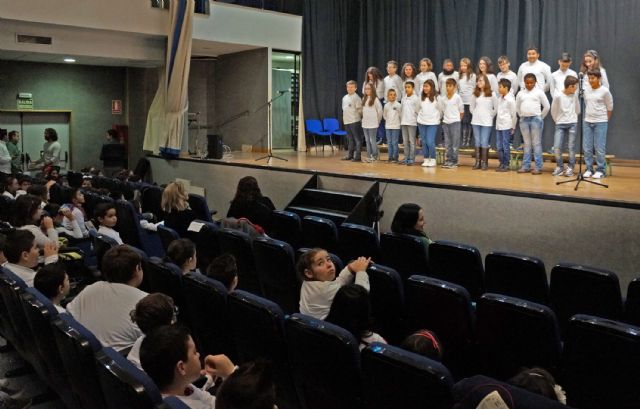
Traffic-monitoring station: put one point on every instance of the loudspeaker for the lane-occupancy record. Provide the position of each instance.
(214, 147)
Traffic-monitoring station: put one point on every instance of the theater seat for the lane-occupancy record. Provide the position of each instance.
(404, 253)
(239, 244)
(166, 278)
(395, 378)
(205, 237)
(199, 205)
(357, 240)
(457, 263)
(387, 302)
(167, 235)
(151, 201)
(286, 226)
(632, 303)
(277, 272)
(320, 232)
(516, 276)
(326, 364)
(133, 234)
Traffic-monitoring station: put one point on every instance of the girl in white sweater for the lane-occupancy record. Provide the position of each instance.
(428, 121)
(484, 106)
(371, 117)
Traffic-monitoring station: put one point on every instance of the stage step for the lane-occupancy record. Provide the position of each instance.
(338, 217)
(329, 199)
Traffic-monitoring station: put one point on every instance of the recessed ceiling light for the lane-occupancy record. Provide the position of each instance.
(289, 57)
(69, 60)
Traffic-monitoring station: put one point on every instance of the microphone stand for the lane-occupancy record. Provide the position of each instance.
(579, 178)
(269, 105)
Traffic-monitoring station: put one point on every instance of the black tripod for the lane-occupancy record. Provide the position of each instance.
(579, 178)
(269, 105)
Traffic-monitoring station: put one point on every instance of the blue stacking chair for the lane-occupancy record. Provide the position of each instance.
(123, 384)
(167, 235)
(457, 263)
(513, 333)
(286, 226)
(314, 127)
(357, 240)
(405, 253)
(277, 272)
(601, 363)
(320, 232)
(333, 125)
(78, 346)
(251, 315)
(418, 382)
(516, 276)
(326, 363)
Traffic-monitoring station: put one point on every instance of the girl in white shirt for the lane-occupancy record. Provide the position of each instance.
(408, 73)
(371, 117)
(485, 67)
(591, 61)
(532, 107)
(374, 76)
(428, 121)
(597, 112)
(466, 85)
(484, 106)
(107, 218)
(426, 73)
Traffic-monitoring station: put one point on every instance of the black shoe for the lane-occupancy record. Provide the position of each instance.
(347, 157)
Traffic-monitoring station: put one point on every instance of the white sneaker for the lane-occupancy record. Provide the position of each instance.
(568, 172)
(587, 174)
(432, 163)
(598, 175)
(425, 163)
(557, 172)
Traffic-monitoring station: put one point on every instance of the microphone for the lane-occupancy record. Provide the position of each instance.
(283, 91)
(581, 74)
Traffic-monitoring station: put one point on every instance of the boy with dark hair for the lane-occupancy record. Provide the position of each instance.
(104, 307)
(224, 269)
(22, 254)
(53, 282)
(153, 311)
(169, 356)
(249, 387)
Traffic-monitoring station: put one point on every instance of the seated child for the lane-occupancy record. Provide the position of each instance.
(60, 215)
(224, 269)
(409, 219)
(182, 252)
(22, 255)
(169, 356)
(249, 387)
(320, 283)
(538, 380)
(424, 343)
(152, 311)
(53, 282)
(351, 310)
(105, 215)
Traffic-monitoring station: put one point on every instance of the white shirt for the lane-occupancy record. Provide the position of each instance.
(379, 87)
(442, 81)
(493, 82)
(79, 216)
(422, 77)
(316, 296)
(51, 152)
(483, 109)
(395, 83)
(557, 81)
(532, 103)
(430, 113)
(596, 104)
(134, 353)
(416, 90)
(25, 273)
(565, 108)
(60, 309)
(75, 231)
(104, 308)
(391, 114)
(466, 86)
(41, 238)
(410, 109)
(198, 399)
(511, 76)
(8, 194)
(109, 232)
(451, 108)
(371, 115)
(541, 70)
(351, 108)
(506, 117)
(604, 80)
(5, 158)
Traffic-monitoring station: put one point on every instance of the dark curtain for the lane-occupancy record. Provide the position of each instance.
(408, 30)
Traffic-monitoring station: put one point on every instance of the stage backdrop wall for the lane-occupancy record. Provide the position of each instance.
(341, 38)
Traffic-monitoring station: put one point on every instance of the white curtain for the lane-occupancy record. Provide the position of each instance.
(167, 115)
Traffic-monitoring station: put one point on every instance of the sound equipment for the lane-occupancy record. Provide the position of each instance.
(214, 147)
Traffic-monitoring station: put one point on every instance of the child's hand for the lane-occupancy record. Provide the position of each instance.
(50, 249)
(360, 264)
(513, 131)
(218, 365)
(66, 212)
(50, 183)
(47, 223)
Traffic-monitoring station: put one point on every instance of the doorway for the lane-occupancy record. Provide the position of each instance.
(285, 81)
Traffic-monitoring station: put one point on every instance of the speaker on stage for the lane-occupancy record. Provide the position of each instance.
(214, 147)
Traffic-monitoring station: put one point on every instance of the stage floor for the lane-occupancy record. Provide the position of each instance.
(623, 190)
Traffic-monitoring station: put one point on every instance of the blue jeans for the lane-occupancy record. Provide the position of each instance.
(381, 134)
(481, 135)
(370, 138)
(393, 135)
(502, 146)
(558, 138)
(428, 138)
(409, 141)
(451, 141)
(531, 128)
(595, 137)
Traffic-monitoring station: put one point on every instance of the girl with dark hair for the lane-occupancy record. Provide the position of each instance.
(351, 310)
(591, 61)
(540, 381)
(371, 117)
(424, 343)
(374, 76)
(409, 219)
(485, 67)
(28, 216)
(250, 204)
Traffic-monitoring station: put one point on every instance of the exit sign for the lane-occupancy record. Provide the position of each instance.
(25, 100)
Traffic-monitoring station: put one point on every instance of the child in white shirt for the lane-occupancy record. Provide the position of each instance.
(393, 80)
(409, 123)
(598, 110)
(505, 72)
(506, 120)
(351, 117)
(485, 67)
(532, 106)
(428, 120)
(320, 283)
(391, 115)
(452, 113)
(557, 77)
(426, 73)
(408, 74)
(484, 105)
(448, 71)
(371, 117)
(105, 214)
(538, 68)
(564, 111)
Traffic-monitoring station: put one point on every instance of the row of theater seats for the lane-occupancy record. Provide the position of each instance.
(316, 364)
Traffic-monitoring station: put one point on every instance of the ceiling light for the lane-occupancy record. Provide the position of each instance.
(69, 60)
(289, 57)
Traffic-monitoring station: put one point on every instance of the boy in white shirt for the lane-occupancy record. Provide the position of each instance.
(505, 72)
(506, 120)
(598, 110)
(452, 110)
(564, 111)
(351, 116)
(535, 66)
(22, 253)
(409, 123)
(391, 115)
(557, 78)
(532, 106)
(393, 80)
(53, 282)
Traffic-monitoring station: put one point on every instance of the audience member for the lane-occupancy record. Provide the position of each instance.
(351, 310)
(11, 187)
(249, 387)
(53, 282)
(320, 283)
(22, 255)
(24, 182)
(224, 269)
(76, 206)
(540, 381)
(182, 252)
(250, 204)
(424, 343)
(152, 311)
(59, 214)
(104, 307)
(105, 215)
(28, 215)
(175, 204)
(409, 219)
(14, 150)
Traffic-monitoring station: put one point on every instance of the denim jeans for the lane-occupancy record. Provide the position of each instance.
(481, 135)
(428, 138)
(393, 135)
(558, 139)
(381, 134)
(370, 138)
(409, 141)
(451, 141)
(531, 128)
(595, 137)
(502, 146)
(354, 139)
(465, 127)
